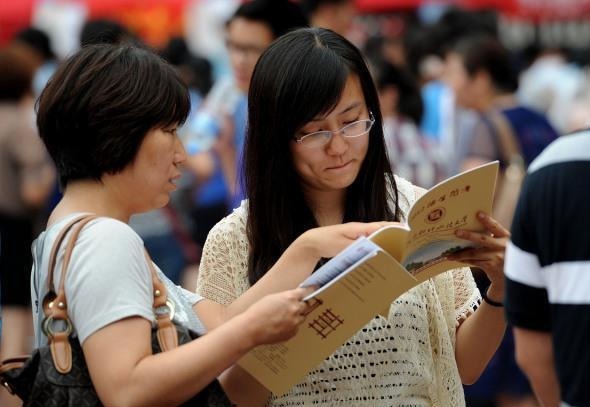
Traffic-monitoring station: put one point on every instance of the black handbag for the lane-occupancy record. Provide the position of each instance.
(57, 375)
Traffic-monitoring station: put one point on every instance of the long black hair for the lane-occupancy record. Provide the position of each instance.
(302, 75)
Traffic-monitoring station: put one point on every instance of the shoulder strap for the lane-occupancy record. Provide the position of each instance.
(55, 248)
(166, 331)
(509, 147)
(61, 293)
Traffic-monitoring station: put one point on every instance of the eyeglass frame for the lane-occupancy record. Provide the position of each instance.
(248, 50)
(371, 119)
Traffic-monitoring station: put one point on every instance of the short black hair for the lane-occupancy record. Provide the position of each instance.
(281, 16)
(105, 31)
(486, 53)
(99, 105)
(38, 40)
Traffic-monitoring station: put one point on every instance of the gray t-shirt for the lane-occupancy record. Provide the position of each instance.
(108, 279)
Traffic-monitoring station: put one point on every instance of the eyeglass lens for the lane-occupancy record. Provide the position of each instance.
(355, 129)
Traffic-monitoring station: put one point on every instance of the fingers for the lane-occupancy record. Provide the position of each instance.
(306, 306)
(482, 239)
(302, 292)
(491, 261)
(476, 254)
(298, 307)
(354, 230)
(492, 225)
(494, 239)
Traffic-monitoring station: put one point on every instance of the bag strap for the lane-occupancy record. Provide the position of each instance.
(56, 308)
(163, 310)
(61, 292)
(55, 248)
(509, 147)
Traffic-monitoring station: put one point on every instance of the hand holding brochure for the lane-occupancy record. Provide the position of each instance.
(365, 278)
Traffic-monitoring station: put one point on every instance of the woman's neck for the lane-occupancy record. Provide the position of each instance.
(328, 206)
(92, 197)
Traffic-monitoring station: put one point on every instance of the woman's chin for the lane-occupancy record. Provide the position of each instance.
(157, 204)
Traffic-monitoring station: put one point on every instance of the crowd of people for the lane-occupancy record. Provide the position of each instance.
(232, 190)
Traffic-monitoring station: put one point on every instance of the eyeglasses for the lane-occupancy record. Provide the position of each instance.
(248, 50)
(351, 130)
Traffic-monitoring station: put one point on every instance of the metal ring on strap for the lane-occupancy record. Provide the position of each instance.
(47, 326)
(169, 309)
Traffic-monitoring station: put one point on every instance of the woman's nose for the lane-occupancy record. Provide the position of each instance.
(180, 152)
(337, 144)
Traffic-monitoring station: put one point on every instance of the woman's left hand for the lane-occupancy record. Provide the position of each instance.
(489, 255)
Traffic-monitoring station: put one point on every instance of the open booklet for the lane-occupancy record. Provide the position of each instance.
(364, 279)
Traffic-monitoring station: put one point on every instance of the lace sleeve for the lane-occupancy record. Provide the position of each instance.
(467, 297)
(217, 271)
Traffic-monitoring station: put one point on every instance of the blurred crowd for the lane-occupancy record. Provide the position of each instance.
(449, 90)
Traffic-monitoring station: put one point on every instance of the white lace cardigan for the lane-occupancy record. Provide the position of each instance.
(407, 359)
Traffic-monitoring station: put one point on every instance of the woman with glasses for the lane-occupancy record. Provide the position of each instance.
(315, 156)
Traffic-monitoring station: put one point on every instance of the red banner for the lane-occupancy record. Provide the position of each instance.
(154, 21)
(537, 10)
(14, 16)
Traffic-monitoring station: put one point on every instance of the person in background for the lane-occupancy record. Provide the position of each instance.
(40, 42)
(117, 153)
(484, 80)
(410, 154)
(335, 15)
(26, 179)
(550, 85)
(222, 118)
(196, 72)
(548, 273)
(315, 156)
(444, 122)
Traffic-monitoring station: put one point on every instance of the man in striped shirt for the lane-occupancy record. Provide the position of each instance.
(548, 273)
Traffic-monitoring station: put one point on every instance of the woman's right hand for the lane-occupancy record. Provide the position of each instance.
(328, 241)
(276, 317)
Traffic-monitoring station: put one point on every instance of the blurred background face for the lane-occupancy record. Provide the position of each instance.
(343, 16)
(336, 15)
(463, 85)
(246, 40)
